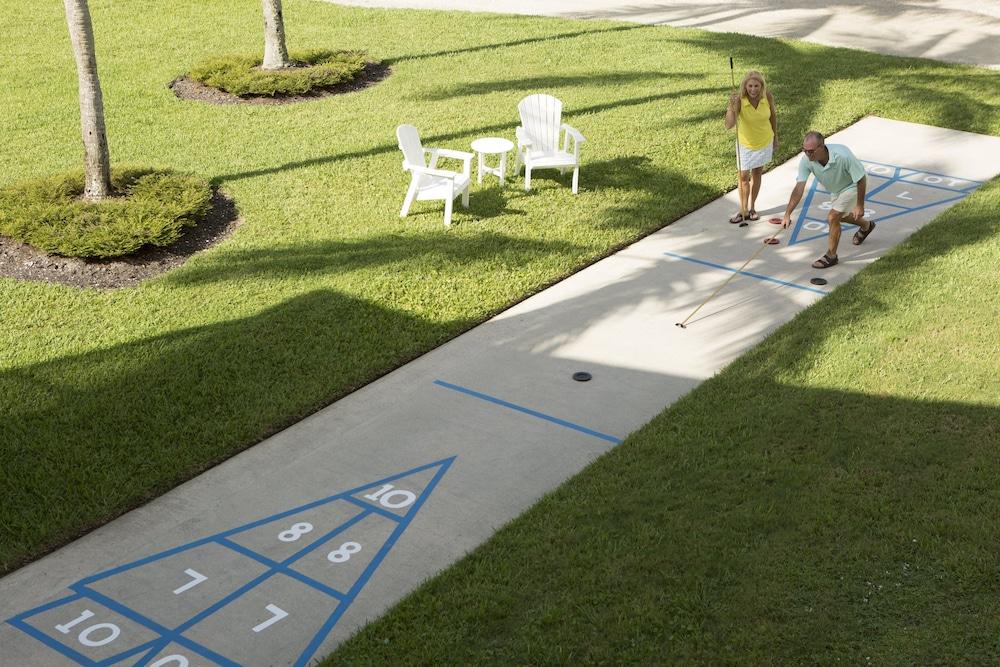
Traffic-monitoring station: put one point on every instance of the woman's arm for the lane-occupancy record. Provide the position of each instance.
(774, 118)
(732, 108)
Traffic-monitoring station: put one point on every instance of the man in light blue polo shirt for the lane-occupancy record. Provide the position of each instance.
(843, 176)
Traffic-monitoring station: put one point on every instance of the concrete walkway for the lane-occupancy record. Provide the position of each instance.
(960, 31)
(282, 552)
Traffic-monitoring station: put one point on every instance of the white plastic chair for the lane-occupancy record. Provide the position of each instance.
(538, 145)
(427, 181)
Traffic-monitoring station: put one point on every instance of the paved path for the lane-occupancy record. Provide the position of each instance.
(961, 31)
(280, 553)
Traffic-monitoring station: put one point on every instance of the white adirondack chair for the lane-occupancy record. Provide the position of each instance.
(427, 181)
(538, 145)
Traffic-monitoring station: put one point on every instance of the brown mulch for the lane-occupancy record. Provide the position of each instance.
(189, 89)
(21, 261)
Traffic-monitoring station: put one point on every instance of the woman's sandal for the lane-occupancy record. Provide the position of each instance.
(736, 218)
(753, 215)
(861, 234)
(825, 262)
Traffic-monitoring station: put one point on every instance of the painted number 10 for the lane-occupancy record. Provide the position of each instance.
(85, 636)
(386, 495)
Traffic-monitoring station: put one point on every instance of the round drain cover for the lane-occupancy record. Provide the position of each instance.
(582, 376)
(818, 281)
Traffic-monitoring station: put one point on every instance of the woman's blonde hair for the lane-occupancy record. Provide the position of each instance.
(753, 74)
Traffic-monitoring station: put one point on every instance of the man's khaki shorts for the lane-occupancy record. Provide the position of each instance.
(846, 200)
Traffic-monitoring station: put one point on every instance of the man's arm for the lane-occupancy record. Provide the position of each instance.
(793, 201)
(859, 207)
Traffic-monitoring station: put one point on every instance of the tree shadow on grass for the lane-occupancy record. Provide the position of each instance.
(88, 437)
(404, 252)
(666, 194)
(542, 83)
(506, 128)
(785, 63)
(513, 43)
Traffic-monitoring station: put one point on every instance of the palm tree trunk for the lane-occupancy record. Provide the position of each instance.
(96, 161)
(275, 52)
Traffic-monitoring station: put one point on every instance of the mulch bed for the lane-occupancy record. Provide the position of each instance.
(21, 261)
(189, 89)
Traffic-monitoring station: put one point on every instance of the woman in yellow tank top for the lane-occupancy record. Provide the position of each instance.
(752, 111)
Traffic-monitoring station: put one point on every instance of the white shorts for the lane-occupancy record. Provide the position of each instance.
(751, 159)
(845, 201)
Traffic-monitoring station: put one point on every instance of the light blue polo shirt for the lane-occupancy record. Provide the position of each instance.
(842, 170)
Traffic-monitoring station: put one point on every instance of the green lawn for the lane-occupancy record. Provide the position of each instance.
(108, 399)
(830, 498)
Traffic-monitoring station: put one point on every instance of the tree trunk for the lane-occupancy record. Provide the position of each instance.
(96, 161)
(275, 52)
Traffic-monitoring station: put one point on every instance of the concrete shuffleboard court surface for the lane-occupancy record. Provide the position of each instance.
(282, 552)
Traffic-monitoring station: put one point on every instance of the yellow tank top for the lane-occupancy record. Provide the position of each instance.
(754, 130)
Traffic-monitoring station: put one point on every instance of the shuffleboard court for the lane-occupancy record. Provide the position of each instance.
(282, 552)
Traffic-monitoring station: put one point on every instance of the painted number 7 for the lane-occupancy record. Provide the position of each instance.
(278, 614)
(196, 578)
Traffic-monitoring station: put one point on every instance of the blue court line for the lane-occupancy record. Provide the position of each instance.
(887, 203)
(940, 187)
(263, 560)
(191, 646)
(205, 613)
(919, 208)
(528, 411)
(156, 648)
(253, 524)
(783, 283)
(878, 219)
(107, 662)
(802, 211)
(52, 643)
(325, 629)
(203, 651)
(120, 609)
(45, 607)
(175, 636)
(364, 504)
(143, 561)
(916, 171)
(305, 551)
(878, 188)
(895, 178)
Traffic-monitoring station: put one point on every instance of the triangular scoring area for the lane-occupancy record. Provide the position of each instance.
(893, 191)
(271, 589)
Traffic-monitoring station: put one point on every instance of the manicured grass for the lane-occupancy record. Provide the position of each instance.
(830, 498)
(316, 70)
(110, 398)
(148, 208)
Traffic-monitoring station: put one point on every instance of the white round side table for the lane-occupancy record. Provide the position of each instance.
(492, 146)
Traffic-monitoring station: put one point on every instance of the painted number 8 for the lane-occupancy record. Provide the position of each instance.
(343, 554)
(295, 532)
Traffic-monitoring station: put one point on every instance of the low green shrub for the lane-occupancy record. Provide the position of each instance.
(314, 71)
(150, 207)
